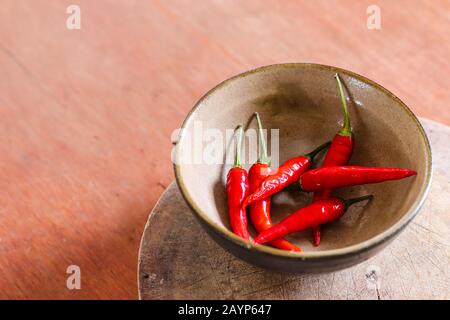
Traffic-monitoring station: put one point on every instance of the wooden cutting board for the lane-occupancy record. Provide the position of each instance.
(178, 260)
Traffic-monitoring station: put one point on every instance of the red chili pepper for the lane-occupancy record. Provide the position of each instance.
(347, 176)
(319, 212)
(339, 153)
(260, 210)
(287, 173)
(237, 191)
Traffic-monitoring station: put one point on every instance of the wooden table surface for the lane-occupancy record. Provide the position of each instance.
(86, 115)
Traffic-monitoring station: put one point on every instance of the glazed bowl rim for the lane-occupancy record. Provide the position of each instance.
(358, 248)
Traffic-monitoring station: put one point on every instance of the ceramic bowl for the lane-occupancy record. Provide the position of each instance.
(301, 103)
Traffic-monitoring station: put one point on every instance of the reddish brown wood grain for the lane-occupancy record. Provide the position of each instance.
(86, 115)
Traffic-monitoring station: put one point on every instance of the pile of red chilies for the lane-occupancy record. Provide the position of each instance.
(254, 189)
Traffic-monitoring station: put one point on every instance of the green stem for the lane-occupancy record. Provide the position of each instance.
(313, 153)
(349, 202)
(262, 154)
(346, 128)
(237, 160)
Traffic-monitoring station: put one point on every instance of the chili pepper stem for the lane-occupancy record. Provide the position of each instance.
(349, 202)
(237, 160)
(262, 155)
(346, 128)
(313, 153)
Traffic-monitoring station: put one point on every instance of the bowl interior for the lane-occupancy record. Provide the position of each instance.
(301, 102)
